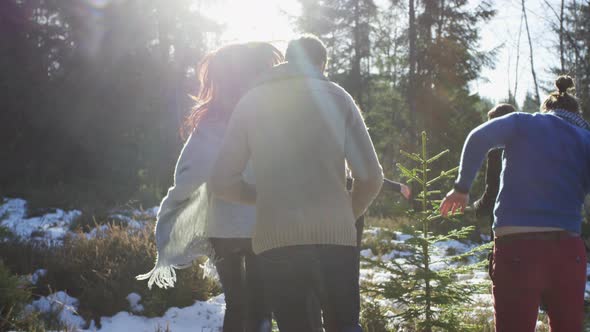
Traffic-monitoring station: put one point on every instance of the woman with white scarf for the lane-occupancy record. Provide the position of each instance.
(191, 222)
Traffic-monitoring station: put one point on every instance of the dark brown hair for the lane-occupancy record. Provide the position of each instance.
(500, 110)
(306, 50)
(562, 99)
(224, 76)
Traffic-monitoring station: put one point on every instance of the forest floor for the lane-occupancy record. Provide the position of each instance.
(51, 226)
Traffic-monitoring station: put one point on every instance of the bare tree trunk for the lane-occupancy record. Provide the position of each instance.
(526, 23)
(441, 18)
(510, 95)
(561, 46)
(411, 95)
(356, 57)
(575, 45)
(517, 57)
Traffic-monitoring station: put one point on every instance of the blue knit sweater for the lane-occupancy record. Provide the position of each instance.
(545, 169)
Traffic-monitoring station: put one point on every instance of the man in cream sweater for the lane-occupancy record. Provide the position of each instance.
(301, 131)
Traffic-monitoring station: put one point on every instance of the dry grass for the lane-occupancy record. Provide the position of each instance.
(100, 272)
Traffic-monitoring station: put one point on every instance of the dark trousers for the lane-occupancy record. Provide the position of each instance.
(294, 275)
(528, 271)
(239, 273)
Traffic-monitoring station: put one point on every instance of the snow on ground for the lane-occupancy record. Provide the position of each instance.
(34, 278)
(134, 305)
(202, 316)
(50, 228)
(60, 303)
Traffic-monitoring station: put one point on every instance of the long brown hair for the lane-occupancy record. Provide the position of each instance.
(562, 99)
(225, 75)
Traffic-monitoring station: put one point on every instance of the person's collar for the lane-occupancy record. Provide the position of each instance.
(287, 71)
(573, 118)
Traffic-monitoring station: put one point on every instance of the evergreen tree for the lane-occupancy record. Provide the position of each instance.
(576, 35)
(346, 27)
(425, 291)
(529, 105)
(93, 97)
(447, 61)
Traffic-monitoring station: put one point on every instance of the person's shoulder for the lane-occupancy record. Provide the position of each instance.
(208, 131)
(520, 118)
(518, 115)
(336, 89)
(250, 99)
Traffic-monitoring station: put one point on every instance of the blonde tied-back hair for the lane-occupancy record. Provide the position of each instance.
(563, 98)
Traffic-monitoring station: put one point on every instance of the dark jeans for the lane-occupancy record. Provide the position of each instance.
(239, 273)
(294, 275)
(313, 304)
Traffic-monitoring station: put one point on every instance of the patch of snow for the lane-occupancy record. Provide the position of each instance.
(100, 230)
(202, 316)
(121, 217)
(34, 278)
(135, 218)
(395, 254)
(13, 207)
(134, 299)
(458, 246)
(50, 228)
(374, 231)
(367, 253)
(61, 304)
(152, 212)
(401, 237)
(481, 275)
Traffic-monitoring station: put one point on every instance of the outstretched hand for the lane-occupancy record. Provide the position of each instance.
(453, 202)
(405, 191)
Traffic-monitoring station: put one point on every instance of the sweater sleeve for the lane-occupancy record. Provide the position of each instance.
(362, 160)
(227, 180)
(192, 170)
(492, 134)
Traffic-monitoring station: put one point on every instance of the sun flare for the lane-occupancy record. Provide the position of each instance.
(260, 20)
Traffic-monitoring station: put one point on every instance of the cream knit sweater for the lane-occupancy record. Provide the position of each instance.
(299, 130)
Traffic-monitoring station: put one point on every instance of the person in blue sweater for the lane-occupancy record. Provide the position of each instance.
(538, 252)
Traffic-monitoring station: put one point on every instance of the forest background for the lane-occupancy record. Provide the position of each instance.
(94, 92)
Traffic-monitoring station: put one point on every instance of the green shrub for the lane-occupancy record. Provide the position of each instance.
(14, 296)
(372, 317)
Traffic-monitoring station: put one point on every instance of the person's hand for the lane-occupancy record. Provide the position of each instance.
(453, 202)
(405, 191)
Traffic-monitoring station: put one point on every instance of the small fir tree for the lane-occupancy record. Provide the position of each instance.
(424, 290)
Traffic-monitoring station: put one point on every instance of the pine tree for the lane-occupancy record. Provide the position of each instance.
(576, 37)
(529, 105)
(425, 292)
(346, 27)
(447, 60)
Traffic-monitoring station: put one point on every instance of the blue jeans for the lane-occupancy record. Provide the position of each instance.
(329, 273)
